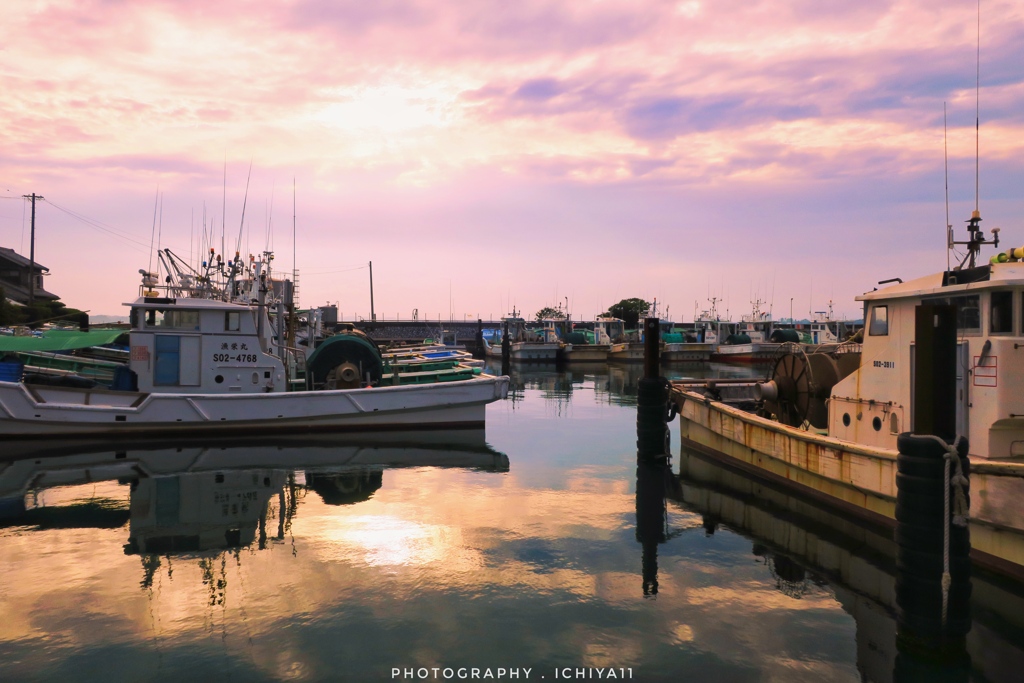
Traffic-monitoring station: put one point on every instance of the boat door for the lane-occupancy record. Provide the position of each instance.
(963, 358)
(177, 360)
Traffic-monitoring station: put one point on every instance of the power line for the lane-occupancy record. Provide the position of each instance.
(134, 243)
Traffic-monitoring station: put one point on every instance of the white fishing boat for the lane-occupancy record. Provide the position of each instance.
(709, 327)
(680, 344)
(584, 345)
(827, 423)
(206, 358)
(752, 342)
(526, 345)
(622, 347)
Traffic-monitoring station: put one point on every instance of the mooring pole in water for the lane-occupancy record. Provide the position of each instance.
(506, 348)
(933, 544)
(479, 352)
(654, 477)
(652, 348)
(652, 400)
(651, 517)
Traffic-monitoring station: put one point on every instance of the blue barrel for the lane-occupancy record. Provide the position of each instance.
(11, 370)
(125, 379)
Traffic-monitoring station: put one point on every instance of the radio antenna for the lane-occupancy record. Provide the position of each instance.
(977, 114)
(976, 238)
(945, 154)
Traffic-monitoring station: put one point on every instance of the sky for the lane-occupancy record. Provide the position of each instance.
(487, 155)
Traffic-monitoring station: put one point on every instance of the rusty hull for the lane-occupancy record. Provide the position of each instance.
(858, 479)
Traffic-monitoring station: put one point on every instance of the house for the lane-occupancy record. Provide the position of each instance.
(15, 271)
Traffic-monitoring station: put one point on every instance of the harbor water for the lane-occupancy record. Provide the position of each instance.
(525, 552)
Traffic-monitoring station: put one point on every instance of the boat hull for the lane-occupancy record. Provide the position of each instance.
(693, 352)
(31, 411)
(857, 479)
(585, 353)
(755, 352)
(535, 352)
(628, 352)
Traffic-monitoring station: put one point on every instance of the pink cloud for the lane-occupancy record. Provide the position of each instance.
(590, 128)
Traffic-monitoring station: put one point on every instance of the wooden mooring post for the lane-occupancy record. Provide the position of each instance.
(506, 349)
(479, 352)
(654, 477)
(652, 400)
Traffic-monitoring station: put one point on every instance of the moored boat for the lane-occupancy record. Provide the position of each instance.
(752, 342)
(207, 359)
(526, 345)
(828, 423)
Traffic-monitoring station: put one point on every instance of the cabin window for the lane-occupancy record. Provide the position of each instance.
(1001, 313)
(134, 319)
(232, 321)
(181, 320)
(879, 326)
(968, 313)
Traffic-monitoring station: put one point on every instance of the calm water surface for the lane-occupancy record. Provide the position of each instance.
(514, 550)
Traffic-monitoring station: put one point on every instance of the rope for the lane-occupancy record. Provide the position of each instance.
(960, 512)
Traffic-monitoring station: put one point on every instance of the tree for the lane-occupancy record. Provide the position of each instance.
(630, 311)
(548, 312)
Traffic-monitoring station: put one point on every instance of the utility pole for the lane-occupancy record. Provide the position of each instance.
(32, 251)
(373, 316)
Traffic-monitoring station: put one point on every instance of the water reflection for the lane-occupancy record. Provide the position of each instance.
(808, 548)
(345, 559)
(614, 384)
(187, 499)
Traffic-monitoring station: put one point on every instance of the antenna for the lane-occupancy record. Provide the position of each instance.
(160, 229)
(976, 237)
(152, 234)
(945, 156)
(224, 204)
(245, 199)
(977, 114)
(294, 257)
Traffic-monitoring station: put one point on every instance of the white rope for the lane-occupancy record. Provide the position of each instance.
(960, 513)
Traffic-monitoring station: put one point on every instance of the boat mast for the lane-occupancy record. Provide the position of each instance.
(977, 238)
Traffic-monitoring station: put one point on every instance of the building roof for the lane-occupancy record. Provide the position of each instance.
(19, 260)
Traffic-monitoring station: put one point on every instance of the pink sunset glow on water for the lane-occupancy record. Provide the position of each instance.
(488, 154)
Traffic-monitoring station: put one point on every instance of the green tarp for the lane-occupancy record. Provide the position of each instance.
(59, 340)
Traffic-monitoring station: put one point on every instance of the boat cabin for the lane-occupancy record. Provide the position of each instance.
(757, 324)
(192, 345)
(874, 404)
(608, 330)
(710, 327)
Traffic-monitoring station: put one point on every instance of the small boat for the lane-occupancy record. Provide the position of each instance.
(623, 346)
(824, 331)
(709, 329)
(753, 341)
(580, 348)
(680, 344)
(526, 345)
(828, 422)
(206, 358)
